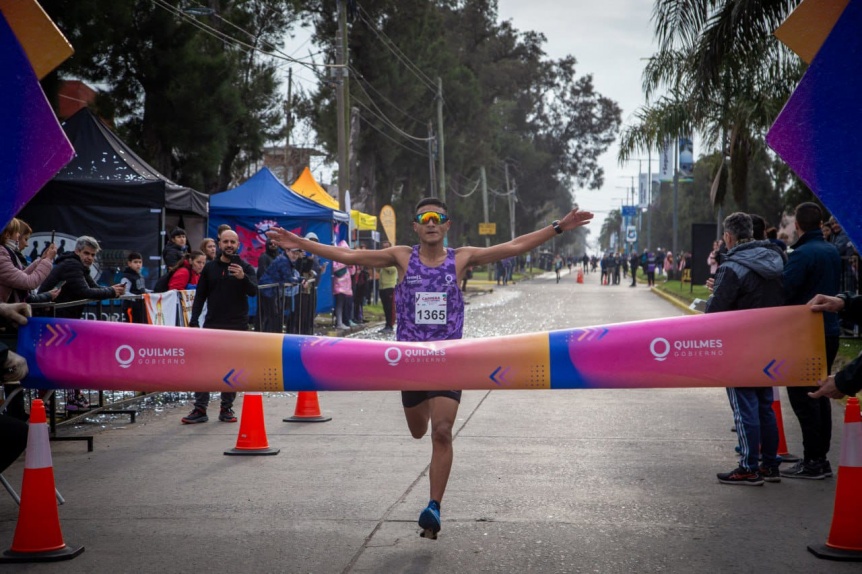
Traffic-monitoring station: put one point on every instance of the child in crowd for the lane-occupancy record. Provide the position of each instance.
(133, 310)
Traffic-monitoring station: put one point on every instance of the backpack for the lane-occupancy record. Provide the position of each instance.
(162, 284)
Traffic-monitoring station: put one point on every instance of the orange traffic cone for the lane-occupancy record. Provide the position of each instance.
(307, 409)
(580, 275)
(782, 443)
(38, 537)
(252, 431)
(845, 536)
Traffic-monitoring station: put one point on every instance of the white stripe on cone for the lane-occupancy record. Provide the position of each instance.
(851, 446)
(38, 449)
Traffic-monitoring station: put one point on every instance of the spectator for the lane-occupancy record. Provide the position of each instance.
(634, 261)
(749, 278)
(283, 271)
(669, 267)
(176, 247)
(713, 259)
(839, 238)
(73, 268)
(225, 286)
(13, 429)
(311, 269)
(772, 236)
(813, 266)
(847, 381)
(187, 272)
(133, 282)
(16, 278)
(342, 288)
(361, 288)
(269, 254)
(659, 259)
(388, 279)
(208, 247)
(650, 268)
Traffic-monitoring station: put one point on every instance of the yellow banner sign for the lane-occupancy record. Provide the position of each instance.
(487, 229)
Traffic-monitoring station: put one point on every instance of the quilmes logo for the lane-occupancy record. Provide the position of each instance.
(126, 355)
(661, 348)
(393, 355)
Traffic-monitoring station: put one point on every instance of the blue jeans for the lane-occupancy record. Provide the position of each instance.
(755, 426)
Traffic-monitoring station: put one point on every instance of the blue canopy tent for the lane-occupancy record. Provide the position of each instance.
(263, 202)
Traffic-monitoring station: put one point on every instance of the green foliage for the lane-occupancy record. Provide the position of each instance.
(197, 107)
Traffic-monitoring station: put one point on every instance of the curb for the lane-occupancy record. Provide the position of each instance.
(675, 301)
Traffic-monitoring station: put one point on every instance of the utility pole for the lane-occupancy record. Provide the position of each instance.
(288, 110)
(441, 172)
(649, 199)
(431, 183)
(511, 195)
(485, 210)
(675, 194)
(341, 102)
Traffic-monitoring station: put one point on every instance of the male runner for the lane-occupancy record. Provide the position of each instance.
(429, 307)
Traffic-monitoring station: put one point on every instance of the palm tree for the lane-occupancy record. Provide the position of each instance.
(725, 77)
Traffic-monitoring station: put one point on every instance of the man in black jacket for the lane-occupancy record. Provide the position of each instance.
(225, 286)
(847, 381)
(750, 278)
(74, 269)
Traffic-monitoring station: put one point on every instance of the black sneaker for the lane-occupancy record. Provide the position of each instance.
(807, 469)
(826, 467)
(770, 474)
(227, 416)
(741, 476)
(196, 416)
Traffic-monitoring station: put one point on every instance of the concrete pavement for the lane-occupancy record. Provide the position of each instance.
(544, 481)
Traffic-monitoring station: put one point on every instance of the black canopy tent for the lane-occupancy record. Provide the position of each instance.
(107, 191)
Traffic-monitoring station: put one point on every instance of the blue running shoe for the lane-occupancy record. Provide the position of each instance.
(429, 520)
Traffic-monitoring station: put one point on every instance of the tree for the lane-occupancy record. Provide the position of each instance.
(191, 95)
(726, 77)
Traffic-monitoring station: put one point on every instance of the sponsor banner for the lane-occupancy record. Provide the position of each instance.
(665, 162)
(715, 350)
(686, 159)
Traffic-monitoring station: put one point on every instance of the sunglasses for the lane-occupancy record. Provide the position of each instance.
(437, 218)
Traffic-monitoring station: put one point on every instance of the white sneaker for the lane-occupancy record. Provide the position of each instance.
(341, 326)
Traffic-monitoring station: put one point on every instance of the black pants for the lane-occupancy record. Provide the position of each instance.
(13, 440)
(815, 415)
(202, 400)
(387, 297)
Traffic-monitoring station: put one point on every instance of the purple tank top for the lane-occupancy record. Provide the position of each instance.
(428, 302)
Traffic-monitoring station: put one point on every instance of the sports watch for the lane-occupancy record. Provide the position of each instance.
(556, 225)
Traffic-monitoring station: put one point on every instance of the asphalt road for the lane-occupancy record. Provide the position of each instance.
(544, 481)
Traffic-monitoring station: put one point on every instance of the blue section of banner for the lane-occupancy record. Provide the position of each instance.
(563, 372)
(295, 376)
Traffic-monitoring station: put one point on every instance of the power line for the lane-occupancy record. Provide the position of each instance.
(390, 138)
(207, 29)
(360, 78)
(392, 47)
(380, 116)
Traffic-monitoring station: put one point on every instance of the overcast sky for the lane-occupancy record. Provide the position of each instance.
(609, 39)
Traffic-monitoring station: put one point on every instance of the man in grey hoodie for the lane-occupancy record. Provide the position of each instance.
(750, 277)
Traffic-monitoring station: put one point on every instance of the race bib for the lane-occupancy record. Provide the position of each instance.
(430, 308)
